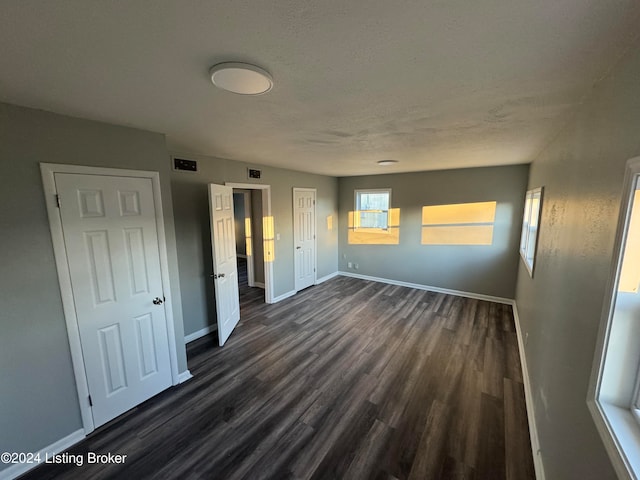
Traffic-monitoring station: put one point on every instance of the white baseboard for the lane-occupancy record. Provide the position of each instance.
(293, 292)
(528, 395)
(279, 298)
(200, 333)
(184, 376)
(15, 470)
(327, 277)
(458, 293)
(258, 284)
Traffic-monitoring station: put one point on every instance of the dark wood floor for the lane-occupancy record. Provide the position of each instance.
(346, 380)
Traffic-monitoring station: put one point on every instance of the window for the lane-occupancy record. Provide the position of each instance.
(630, 270)
(614, 391)
(530, 224)
(373, 221)
(372, 208)
(458, 224)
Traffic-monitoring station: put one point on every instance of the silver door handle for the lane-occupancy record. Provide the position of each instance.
(298, 248)
(157, 301)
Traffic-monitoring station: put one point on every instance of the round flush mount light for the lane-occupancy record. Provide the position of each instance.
(241, 78)
(385, 163)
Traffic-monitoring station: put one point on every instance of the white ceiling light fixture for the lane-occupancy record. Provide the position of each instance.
(386, 163)
(241, 78)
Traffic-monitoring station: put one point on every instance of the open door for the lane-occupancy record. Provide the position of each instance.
(225, 267)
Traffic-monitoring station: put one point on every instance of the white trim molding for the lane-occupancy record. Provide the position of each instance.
(184, 376)
(14, 471)
(279, 298)
(327, 277)
(48, 171)
(199, 334)
(458, 293)
(528, 396)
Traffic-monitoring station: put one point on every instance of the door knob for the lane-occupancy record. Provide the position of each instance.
(219, 275)
(157, 301)
(298, 248)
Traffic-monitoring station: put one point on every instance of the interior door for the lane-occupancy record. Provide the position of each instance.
(110, 234)
(225, 267)
(304, 227)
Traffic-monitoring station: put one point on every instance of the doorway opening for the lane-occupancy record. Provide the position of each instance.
(255, 247)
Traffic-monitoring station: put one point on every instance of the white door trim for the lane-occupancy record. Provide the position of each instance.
(266, 212)
(315, 235)
(48, 170)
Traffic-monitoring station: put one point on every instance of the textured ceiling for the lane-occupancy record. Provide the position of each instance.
(433, 84)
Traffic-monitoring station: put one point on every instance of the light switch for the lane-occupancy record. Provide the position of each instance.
(277, 236)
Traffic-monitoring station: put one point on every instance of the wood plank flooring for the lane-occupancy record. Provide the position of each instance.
(349, 379)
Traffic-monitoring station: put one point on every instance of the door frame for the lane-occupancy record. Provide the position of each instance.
(266, 212)
(48, 171)
(315, 232)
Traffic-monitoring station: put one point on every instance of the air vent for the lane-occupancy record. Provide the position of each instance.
(254, 173)
(186, 165)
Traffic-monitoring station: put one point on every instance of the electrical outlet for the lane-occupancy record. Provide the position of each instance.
(350, 265)
(356, 266)
(526, 338)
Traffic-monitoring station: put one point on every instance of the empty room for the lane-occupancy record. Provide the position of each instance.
(336, 240)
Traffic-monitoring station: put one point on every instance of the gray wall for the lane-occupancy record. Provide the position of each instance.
(38, 400)
(560, 308)
(489, 270)
(191, 210)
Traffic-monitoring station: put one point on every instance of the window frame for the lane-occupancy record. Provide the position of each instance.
(527, 250)
(618, 425)
(356, 202)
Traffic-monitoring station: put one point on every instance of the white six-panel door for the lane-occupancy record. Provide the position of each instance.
(225, 267)
(110, 236)
(304, 228)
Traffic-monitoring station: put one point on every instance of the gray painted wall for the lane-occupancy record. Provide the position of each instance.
(489, 270)
(38, 400)
(191, 211)
(560, 308)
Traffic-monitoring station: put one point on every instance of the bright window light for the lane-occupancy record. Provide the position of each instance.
(373, 221)
(630, 271)
(458, 224)
(372, 207)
